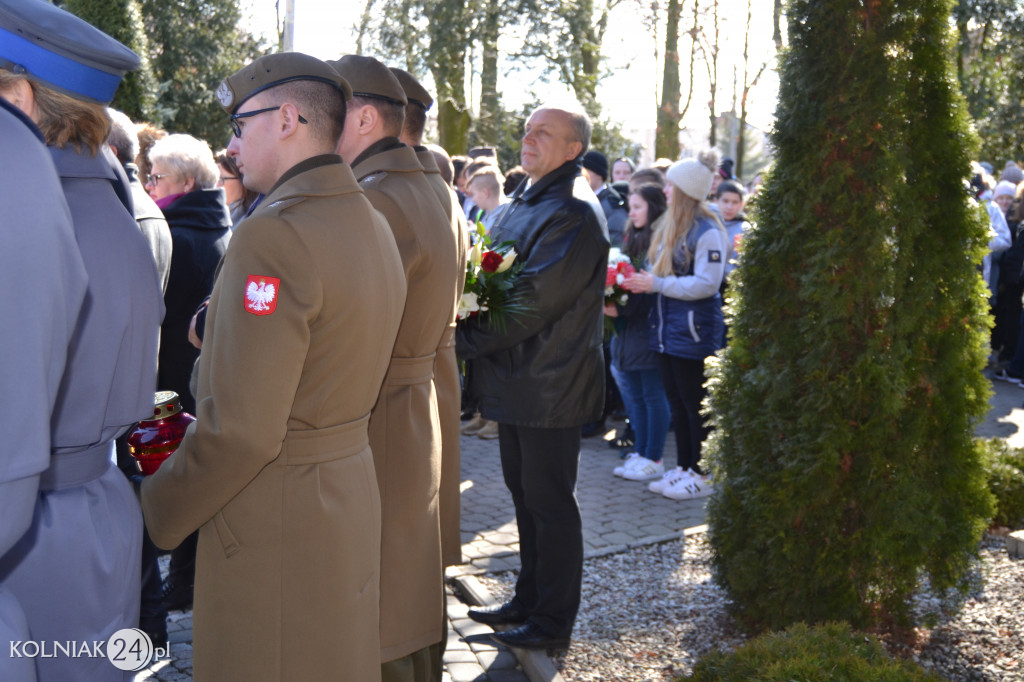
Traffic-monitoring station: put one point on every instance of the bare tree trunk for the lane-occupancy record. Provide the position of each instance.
(487, 124)
(748, 85)
(713, 74)
(449, 35)
(666, 137)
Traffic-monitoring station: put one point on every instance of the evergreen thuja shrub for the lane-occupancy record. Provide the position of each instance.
(826, 652)
(846, 400)
(1005, 473)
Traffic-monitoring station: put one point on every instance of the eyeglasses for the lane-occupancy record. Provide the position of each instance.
(155, 178)
(237, 129)
(225, 178)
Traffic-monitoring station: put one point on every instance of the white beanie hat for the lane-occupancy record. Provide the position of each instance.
(693, 176)
(1005, 188)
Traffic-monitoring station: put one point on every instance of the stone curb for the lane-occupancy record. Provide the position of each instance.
(1015, 544)
(537, 665)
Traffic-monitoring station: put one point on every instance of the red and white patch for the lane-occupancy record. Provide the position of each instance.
(261, 294)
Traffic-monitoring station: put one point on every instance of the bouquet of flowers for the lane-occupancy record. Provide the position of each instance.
(490, 273)
(619, 268)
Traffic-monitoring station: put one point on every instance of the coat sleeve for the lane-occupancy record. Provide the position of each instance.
(708, 270)
(557, 271)
(249, 372)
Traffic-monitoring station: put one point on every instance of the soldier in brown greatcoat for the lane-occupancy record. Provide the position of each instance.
(404, 428)
(447, 378)
(277, 471)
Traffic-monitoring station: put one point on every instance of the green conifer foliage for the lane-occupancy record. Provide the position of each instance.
(122, 20)
(846, 402)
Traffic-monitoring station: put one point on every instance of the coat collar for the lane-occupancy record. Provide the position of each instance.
(394, 160)
(319, 180)
(566, 172)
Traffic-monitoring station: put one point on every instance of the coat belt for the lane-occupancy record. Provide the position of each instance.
(410, 371)
(315, 446)
(71, 471)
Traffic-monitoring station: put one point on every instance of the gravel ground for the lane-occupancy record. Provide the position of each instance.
(650, 613)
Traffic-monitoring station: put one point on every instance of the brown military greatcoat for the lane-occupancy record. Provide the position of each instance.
(447, 377)
(277, 471)
(404, 427)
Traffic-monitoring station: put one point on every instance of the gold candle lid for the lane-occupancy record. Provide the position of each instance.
(166, 404)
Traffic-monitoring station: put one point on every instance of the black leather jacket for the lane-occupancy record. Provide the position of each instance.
(546, 369)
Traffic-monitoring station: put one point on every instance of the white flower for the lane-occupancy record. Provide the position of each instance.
(620, 278)
(507, 261)
(615, 256)
(468, 304)
(623, 299)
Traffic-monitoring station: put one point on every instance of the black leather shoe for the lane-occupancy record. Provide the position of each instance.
(506, 614)
(530, 636)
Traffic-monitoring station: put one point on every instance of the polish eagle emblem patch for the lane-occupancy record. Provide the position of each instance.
(261, 294)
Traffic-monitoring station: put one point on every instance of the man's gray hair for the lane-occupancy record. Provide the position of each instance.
(579, 119)
(122, 137)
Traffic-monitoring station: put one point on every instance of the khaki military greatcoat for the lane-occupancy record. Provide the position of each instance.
(404, 427)
(447, 377)
(277, 471)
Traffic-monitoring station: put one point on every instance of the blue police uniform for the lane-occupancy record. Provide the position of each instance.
(76, 571)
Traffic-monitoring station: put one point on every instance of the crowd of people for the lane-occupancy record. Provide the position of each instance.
(298, 291)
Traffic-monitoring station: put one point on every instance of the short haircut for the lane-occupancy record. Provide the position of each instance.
(392, 114)
(415, 123)
(579, 120)
(122, 136)
(489, 177)
(321, 104)
(476, 166)
(731, 186)
(186, 157)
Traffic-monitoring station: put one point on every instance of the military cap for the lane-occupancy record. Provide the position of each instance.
(276, 69)
(370, 78)
(62, 51)
(414, 91)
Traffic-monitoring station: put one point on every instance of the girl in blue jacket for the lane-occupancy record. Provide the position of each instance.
(687, 263)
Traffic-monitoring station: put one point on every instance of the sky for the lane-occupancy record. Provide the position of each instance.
(630, 91)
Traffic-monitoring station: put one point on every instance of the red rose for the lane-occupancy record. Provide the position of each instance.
(491, 261)
(626, 268)
(609, 278)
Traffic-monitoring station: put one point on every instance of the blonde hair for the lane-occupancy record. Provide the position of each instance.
(674, 226)
(672, 229)
(63, 119)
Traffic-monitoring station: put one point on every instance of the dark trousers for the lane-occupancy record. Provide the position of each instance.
(540, 467)
(684, 386)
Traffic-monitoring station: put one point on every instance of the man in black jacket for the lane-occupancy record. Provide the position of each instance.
(541, 376)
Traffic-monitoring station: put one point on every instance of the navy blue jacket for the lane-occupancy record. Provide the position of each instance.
(687, 319)
(200, 229)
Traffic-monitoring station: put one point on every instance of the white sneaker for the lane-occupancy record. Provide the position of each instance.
(629, 462)
(670, 477)
(644, 471)
(691, 488)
